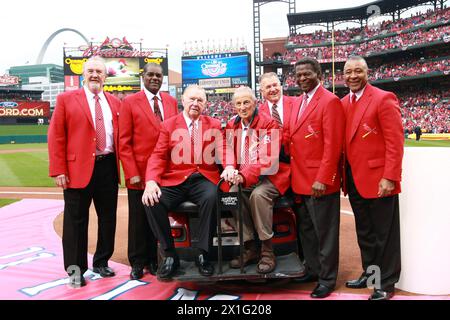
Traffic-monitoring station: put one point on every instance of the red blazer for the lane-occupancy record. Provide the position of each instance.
(315, 143)
(139, 132)
(71, 137)
(165, 165)
(282, 180)
(374, 141)
(252, 173)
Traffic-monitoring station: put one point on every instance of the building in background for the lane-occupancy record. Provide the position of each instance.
(54, 73)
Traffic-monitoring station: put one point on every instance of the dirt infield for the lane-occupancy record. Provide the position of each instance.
(22, 150)
(349, 266)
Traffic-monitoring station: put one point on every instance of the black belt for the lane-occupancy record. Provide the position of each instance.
(102, 157)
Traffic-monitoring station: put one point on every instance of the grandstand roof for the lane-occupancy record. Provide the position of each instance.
(347, 14)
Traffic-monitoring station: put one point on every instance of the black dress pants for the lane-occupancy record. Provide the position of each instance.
(102, 189)
(318, 224)
(141, 241)
(197, 189)
(378, 231)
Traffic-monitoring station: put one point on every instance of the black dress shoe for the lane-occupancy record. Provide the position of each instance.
(358, 283)
(152, 268)
(104, 271)
(321, 291)
(167, 268)
(381, 295)
(205, 268)
(307, 278)
(136, 273)
(77, 282)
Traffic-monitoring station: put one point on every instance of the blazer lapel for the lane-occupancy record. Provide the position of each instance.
(309, 108)
(287, 108)
(83, 102)
(165, 105)
(361, 108)
(146, 109)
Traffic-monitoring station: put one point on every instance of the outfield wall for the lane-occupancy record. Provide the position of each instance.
(425, 221)
(23, 139)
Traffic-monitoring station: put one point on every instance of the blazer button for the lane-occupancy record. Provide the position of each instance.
(93, 154)
(292, 158)
(185, 177)
(95, 139)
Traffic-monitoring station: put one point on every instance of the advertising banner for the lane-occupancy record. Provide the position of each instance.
(124, 65)
(235, 67)
(25, 109)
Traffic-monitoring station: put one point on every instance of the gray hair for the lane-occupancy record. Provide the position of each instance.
(243, 91)
(194, 86)
(267, 76)
(94, 58)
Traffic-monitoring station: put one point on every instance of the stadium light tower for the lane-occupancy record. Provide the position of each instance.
(257, 34)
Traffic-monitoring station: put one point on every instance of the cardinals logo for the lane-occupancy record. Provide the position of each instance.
(312, 133)
(369, 130)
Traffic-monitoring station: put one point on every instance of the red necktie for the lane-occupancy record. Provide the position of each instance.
(276, 115)
(350, 114)
(246, 157)
(194, 140)
(156, 109)
(303, 106)
(100, 133)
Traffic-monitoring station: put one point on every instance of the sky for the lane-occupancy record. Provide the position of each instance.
(27, 24)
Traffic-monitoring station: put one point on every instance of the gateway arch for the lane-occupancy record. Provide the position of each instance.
(49, 40)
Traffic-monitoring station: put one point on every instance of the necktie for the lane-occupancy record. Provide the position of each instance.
(303, 106)
(194, 140)
(246, 157)
(350, 113)
(156, 109)
(276, 115)
(100, 134)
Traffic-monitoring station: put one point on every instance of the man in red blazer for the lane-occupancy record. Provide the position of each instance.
(255, 139)
(316, 133)
(83, 159)
(140, 120)
(279, 107)
(182, 167)
(374, 152)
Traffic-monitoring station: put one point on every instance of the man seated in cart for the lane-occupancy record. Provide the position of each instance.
(183, 168)
(255, 139)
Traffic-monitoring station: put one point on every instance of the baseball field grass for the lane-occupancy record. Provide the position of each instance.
(5, 202)
(28, 167)
(17, 130)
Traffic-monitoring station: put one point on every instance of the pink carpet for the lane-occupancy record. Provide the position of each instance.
(31, 268)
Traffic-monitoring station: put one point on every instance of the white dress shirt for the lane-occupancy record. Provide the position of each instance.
(107, 118)
(279, 108)
(150, 97)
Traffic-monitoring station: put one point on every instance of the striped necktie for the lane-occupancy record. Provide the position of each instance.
(100, 132)
(276, 115)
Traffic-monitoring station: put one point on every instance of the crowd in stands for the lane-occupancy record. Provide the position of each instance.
(342, 52)
(220, 109)
(430, 110)
(17, 96)
(394, 71)
(385, 27)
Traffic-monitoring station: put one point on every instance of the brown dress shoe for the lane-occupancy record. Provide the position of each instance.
(250, 255)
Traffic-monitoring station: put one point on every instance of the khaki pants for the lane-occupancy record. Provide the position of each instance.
(257, 210)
